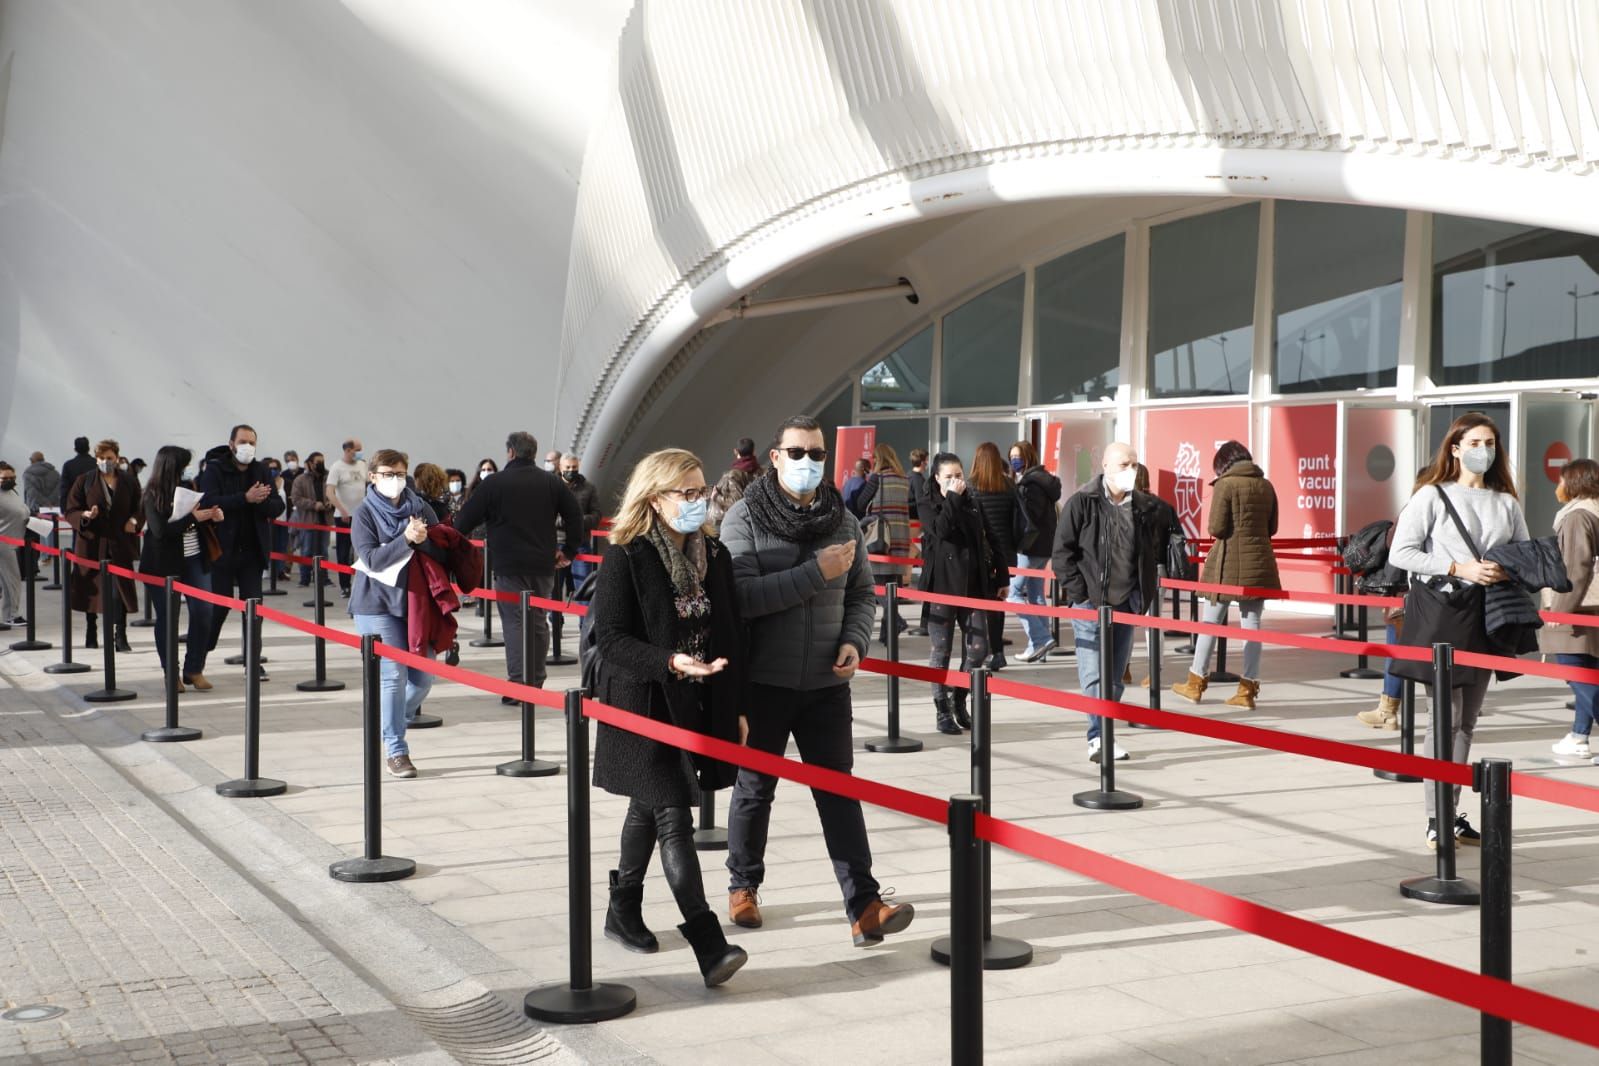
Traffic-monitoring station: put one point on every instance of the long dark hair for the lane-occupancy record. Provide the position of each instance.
(1446, 468)
(1228, 454)
(477, 478)
(990, 473)
(166, 474)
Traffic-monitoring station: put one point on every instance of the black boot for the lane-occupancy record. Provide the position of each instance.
(945, 719)
(957, 707)
(624, 919)
(718, 959)
(91, 636)
(122, 637)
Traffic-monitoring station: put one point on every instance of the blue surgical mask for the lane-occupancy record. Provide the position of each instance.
(801, 476)
(1016, 465)
(690, 516)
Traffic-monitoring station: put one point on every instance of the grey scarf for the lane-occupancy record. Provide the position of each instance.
(685, 566)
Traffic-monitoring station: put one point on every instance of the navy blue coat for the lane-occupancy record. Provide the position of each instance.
(244, 525)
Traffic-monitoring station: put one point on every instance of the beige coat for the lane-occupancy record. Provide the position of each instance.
(1577, 530)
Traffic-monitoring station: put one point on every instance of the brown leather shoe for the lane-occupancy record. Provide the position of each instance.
(880, 918)
(400, 766)
(198, 682)
(743, 908)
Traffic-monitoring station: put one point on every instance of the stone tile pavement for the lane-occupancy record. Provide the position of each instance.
(1115, 979)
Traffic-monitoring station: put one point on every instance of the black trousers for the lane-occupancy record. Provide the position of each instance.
(819, 721)
(346, 551)
(235, 576)
(673, 829)
(975, 648)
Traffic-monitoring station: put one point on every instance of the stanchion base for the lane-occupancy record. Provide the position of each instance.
(901, 745)
(561, 660)
(31, 645)
(312, 603)
(1390, 775)
(140, 623)
(424, 721)
(110, 695)
(251, 788)
(491, 642)
(710, 839)
(323, 685)
(566, 1005)
(527, 768)
(999, 953)
(54, 586)
(1361, 673)
(1222, 677)
(238, 660)
(170, 734)
(370, 871)
(67, 668)
(274, 592)
(1115, 800)
(1458, 891)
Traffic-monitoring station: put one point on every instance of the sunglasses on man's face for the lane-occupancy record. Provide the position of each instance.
(817, 455)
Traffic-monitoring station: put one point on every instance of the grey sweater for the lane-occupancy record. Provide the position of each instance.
(1426, 540)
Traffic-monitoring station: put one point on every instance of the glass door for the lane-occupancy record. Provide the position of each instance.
(1554, 428)
(1378, 455)
(963, 433)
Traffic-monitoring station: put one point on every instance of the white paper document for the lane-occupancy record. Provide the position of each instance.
(389, 575)
(41, 527)
(184, 501)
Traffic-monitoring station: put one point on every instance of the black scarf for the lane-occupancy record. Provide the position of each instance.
(774, 512)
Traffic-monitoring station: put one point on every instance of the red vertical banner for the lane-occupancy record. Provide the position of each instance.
(1304, 470)
(851, 443)
(1074, 451)
(1179, 446)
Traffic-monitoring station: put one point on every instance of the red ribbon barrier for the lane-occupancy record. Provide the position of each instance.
(1042, 609)
(1247, 593)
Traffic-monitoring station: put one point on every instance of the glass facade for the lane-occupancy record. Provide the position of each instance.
(903, 381)
(1337, 286)
(1077, 324)
(903, 433)
(1202, 303)
(1508, 302)
(983, 348)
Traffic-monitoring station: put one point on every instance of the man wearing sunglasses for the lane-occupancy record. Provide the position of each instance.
(805, 592)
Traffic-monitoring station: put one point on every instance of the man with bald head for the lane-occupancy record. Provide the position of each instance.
(1109, 541)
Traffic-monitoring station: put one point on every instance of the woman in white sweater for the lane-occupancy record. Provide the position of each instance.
(1472, 470)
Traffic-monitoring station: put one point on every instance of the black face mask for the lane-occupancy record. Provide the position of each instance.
(7, 484)
(570, 475)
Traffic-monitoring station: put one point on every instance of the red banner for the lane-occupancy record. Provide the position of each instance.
(1303, 468)
(1074, 451)
(1179, 446)
(851, 443)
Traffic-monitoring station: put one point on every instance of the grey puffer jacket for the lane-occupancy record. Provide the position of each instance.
(797, 619)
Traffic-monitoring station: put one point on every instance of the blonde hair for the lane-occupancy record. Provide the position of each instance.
(654, 474)
(887, 459)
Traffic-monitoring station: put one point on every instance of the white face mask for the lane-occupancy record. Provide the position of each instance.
(292, 464)
(1121, 482)
(244, 452)
(484, 474)
(455, 486)
(390, 486)
(549, 466)
(801, 476)
(106, 465)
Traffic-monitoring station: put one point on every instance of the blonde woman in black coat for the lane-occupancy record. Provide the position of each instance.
(666, 627)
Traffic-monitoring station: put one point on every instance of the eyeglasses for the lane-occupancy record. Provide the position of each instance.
(690, 495)
(816, 455)
(388, 475)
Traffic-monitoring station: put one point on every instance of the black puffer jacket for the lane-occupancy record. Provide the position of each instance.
(1000, 523)
(1038, 492)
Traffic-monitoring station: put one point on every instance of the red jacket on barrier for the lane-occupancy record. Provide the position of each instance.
(445, 559)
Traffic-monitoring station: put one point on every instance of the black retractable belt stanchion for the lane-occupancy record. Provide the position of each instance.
(1362, 669)
(488, 639)
(558, 623)
(1443, 886)
(527, 765)
(1187, 646)
(109, 693)
(1492, 780)
(319, 584)
(252, 784)
(708, 836)
(147, 620)
(172, 731)
(244, 644)
(1107, 797)
(55, 565)
(30, 603)
(580, 999)
(1407, 734)
(320, 682)
(999, 952)
(272, 574)
(1221, 675)
(1156, 638)
(66, 665)
(894, 743)
(1054, 601)
(1063, 648)
(373, 865)
(965, 931)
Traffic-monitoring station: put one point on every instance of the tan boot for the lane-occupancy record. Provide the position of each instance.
(1192, 689)
(1383, 716)
(1245, 697)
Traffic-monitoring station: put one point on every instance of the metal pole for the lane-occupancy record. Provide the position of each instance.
(272, 568)
(580, 1000)
(147, 620)
(1443, 886)
(1107, 797)
(894, 743)
(172, 731)
(1187, 647)
(1407, 733)
(563, 580)
(319, 644)
(707, 836)
(488, 639)
(319, 582)
(966, 931)
(109, 693)
(66, 665)
(1493, 781)
(30, 601)
(55, 562)
(1362, 669)
(527, 765)
(373, 865)
(252, 784)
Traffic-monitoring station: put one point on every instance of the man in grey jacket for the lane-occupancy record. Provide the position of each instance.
(805, 591)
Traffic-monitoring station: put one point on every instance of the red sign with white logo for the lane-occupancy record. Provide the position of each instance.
(1303, 468)
(1179, 446)
(851, 443)
(1555, 460)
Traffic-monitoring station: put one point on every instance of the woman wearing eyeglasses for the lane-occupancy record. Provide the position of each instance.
(666, 629)
(388, 525)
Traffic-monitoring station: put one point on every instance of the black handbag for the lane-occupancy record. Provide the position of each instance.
(1178, 565)
(1444, 611)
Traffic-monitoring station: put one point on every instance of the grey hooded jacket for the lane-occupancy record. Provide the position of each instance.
(797, 619)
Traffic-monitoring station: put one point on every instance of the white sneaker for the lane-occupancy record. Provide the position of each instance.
(1093, 751)
(1573, 745)
(1033, 655)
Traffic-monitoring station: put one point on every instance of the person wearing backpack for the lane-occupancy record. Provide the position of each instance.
(1465, 505)
(1037, 496)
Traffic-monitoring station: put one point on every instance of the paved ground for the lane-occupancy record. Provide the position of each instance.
(1115, 980)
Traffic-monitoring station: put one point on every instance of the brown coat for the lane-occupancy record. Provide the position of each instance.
(1243, 519)
(104, 536)
(1577, 530)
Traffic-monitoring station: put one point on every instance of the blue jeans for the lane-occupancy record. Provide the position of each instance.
(313, 542)
(1587, 695)
(1031, 590)
(1087, 638)
(194, 650)
(403, 689)
(1204, 644)
(1393, 686)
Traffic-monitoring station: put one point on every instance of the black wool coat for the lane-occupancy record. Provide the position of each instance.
(636, 628)
(957, 557)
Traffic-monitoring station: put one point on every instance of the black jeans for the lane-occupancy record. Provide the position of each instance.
(237, 575)
(941, 621)
(346, 551)
(673, 829)
(819, 721)
(541, 586)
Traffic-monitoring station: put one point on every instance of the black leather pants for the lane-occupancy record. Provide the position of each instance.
(673, 829)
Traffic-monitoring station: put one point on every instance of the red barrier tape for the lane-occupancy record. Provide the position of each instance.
(1245, 592)
(972, 602)
(576, 609)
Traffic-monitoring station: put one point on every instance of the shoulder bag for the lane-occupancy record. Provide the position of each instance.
(1448, 613)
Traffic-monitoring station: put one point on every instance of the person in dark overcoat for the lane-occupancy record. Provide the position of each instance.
(103, 508)
(664, 624)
